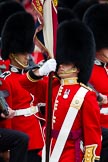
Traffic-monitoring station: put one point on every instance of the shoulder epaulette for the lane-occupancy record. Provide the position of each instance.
(5, 74)
(87, 87)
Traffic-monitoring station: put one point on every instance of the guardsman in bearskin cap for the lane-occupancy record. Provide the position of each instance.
(16, 45)
(96, 17)
(17, 38)
(7, 8)
(75, 132)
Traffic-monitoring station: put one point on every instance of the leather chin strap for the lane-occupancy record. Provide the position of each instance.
(73, 70)
(24, 66)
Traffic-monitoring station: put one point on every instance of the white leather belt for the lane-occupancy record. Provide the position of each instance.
(104, 111)
(27, 111)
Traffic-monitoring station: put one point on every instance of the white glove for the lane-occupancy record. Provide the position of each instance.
(47, 67)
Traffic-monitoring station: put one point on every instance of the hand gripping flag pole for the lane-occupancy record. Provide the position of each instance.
(47, 16)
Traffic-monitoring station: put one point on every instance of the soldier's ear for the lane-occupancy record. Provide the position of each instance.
(11, 56)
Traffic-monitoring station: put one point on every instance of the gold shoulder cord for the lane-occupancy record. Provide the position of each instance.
(87, 87)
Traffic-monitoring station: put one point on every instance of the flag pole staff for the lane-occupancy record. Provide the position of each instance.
(47, 15)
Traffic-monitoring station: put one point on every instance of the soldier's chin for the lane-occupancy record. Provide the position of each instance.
(24, 65)
(62, 75)
(105, 58)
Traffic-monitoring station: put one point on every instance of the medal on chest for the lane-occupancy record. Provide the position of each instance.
(66, 93)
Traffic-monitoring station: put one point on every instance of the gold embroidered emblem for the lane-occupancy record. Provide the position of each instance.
(38, 6)
(55, 2)
(90, 155)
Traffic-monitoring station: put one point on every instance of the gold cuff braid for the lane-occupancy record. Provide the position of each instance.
(90, 155)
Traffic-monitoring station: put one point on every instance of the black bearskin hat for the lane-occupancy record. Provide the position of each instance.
(65, 14)
(82, 6)
(8, 8)
(5, 1)
(96, 17)
(67, 3)
(75, 44)
(17, 34)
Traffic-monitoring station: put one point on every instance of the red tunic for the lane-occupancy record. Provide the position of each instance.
(99, 79)
(86, 125)
(87, 121)
(20, 98)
